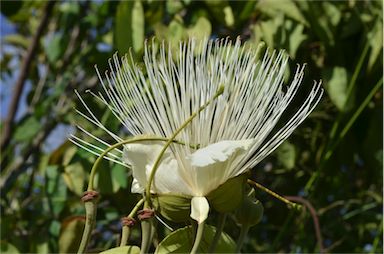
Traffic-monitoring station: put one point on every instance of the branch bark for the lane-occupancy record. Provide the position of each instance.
(24, 70)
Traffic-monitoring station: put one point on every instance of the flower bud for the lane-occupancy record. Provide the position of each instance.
(228, 196)
(175, 208)
(250, 212)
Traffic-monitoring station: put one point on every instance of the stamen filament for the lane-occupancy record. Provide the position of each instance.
(170, 140)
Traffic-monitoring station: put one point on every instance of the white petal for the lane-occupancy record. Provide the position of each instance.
(218, 152)
(142, 157)
(213, 165)
(199, 209)
(136, 187)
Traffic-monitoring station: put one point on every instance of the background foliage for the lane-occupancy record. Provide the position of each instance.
(334, 160)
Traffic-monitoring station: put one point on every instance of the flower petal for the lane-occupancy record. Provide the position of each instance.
(214, 165)
(142, 157)
(199, 209)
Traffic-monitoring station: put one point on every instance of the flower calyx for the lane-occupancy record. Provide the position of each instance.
(128, 221)
(250, 212)
(145, 214)
(90, 196)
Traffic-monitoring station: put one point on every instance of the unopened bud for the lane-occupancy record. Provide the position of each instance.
(250, 212)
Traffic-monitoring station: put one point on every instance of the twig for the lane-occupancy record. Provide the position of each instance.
(274, 194)
(24, 70)
(315, 219)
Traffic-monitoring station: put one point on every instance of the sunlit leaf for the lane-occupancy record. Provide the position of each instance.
(119, 177)
(288, 7)
(56, 189)
(74, 177)
(337, 87)
(17, 40)
(129, 27)
(286, 154)
(27, 129)
(55, 47)
(7, 248)
(70, 234)
(202, 29)
(181, 241)
(222, 11)
(295, 39)
(375, 39)
(122, 250)
(174, 6)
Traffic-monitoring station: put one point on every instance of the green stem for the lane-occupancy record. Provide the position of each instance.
(126, 229)
(199, 236)
(376, 241)
(146, 235)
(283, 230)
(219, 230)
(114, 146)
(353, 119)
(243, 234)
(90, 211)
(90, 207)
(351, 87)
(343, 132)
(170, 140)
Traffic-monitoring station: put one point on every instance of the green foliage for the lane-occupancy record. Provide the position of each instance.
(181, 241)
(123, 250)
(334, 159)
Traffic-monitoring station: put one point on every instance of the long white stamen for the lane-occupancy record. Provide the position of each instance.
(176, 83)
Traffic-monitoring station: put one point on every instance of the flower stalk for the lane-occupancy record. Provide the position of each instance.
(91, 205)
(243, 233)
(219, 230)
(126, 228)
(199, 236)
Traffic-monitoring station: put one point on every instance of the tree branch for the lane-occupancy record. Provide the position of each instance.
(315, 219)
(24, 70)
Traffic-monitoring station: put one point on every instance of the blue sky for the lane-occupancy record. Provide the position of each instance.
(61, 132)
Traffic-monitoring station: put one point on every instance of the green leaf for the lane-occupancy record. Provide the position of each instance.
(175, 32)
(337, 87)
(103, 178)
(7, 248)
(122, 250)
(119, 177)
(286, 154)
(42, 247)
(27, 130)
(222, 11)
(287, 7)
(202, 29)
(181, 241)
(74, 177)
(375, 39)
(56, 189)
(17, 40)
(174, 6)
(55, 48)
(70, 234)
(129, 27)
(295, 39)
(332, 12)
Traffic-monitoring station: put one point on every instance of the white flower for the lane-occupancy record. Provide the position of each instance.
(234, 132)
